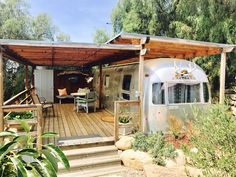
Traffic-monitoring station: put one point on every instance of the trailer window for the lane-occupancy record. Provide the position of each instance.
(106, 80)
(183, 93)
(126, 82)
(158, 93)
(206, 93)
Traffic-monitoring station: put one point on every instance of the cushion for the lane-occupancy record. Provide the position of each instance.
(62, 92)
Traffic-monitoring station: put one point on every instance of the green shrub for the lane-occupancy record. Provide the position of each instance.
(215, 139)
(154, 144)
(140, 142)
(20, 115)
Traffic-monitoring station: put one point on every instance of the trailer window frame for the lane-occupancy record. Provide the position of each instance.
(126, 82)
(185, 83)
(106, 80)
(161, 95)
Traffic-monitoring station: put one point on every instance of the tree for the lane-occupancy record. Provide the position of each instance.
(144, 16)
(17, 23)
(63, 37)
(204, 20)
(101, 36)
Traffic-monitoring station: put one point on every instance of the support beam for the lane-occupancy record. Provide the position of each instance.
(100, 86)
(32, 76)
(222, 77)
(140, 86)
(26, 77)
(1, 92)
(26, 81)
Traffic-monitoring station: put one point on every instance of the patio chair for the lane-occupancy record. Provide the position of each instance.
(85, 102)
(45, 104)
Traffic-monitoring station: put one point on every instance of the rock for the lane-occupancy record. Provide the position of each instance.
(125, 143)
(178, 161)
(160, 171)
(194, 150)
(135, 159)
(193, 172)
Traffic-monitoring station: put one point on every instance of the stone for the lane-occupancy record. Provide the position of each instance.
(180, 160)
(194, 172)
(160, 171)
(125, 143)
(135, 159)
(194, 150)
(181, 171)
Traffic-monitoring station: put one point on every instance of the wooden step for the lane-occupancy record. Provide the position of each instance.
(86, 141)
(90, 162)
(97, 171)
(92, 151)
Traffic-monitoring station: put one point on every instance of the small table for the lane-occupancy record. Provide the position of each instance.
(76, 94)
(63, 97)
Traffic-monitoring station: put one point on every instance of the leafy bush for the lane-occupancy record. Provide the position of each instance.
(20, 115)
(140, 143)
(19, 157)
(124, 119)
(175, 127)
(154, 144)
(215, 139)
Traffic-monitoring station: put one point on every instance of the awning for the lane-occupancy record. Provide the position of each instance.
(40, 53)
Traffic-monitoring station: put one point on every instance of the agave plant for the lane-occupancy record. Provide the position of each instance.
(20, 157)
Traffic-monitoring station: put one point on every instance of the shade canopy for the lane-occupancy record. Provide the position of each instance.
(40, 53)
(125, 47)
(165, 47)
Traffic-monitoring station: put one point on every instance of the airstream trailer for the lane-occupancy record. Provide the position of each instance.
(171, 87)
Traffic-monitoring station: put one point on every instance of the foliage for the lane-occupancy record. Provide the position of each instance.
(19, 157)
(17, 23)
(215, 139)
(124, 119)
(154, 144)
(20, 115)
(101, 36)
(175, 127)
(208, 20)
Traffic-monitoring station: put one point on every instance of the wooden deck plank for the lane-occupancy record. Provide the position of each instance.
(69, 123)
(61, 130)
(104, 127)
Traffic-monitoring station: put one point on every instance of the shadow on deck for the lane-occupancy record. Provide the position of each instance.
(70, 124)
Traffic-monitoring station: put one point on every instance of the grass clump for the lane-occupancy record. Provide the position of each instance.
(155, 145)
(215, 139)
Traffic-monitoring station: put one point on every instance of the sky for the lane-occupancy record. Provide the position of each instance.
(78, 18)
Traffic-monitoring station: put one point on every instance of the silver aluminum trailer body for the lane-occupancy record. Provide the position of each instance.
(171, 87)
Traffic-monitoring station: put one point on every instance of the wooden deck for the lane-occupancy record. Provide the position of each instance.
(70, 124)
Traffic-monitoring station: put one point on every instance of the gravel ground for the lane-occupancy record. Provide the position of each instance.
(128, 173)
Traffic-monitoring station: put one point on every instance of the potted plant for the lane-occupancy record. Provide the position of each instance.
(20, 157)
(13, 119)
(125, 125)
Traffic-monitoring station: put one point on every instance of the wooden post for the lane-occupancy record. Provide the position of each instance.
(116, 128)
(1, 92)
(39, 126)
(26, 81)
(32, 76)
(140, 89)
(100, 86)
(222, 77)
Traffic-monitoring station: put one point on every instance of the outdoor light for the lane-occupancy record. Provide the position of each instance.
(89, 79)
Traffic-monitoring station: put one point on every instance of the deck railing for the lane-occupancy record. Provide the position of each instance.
(20, 103)
(127, 109)
(20, 98)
